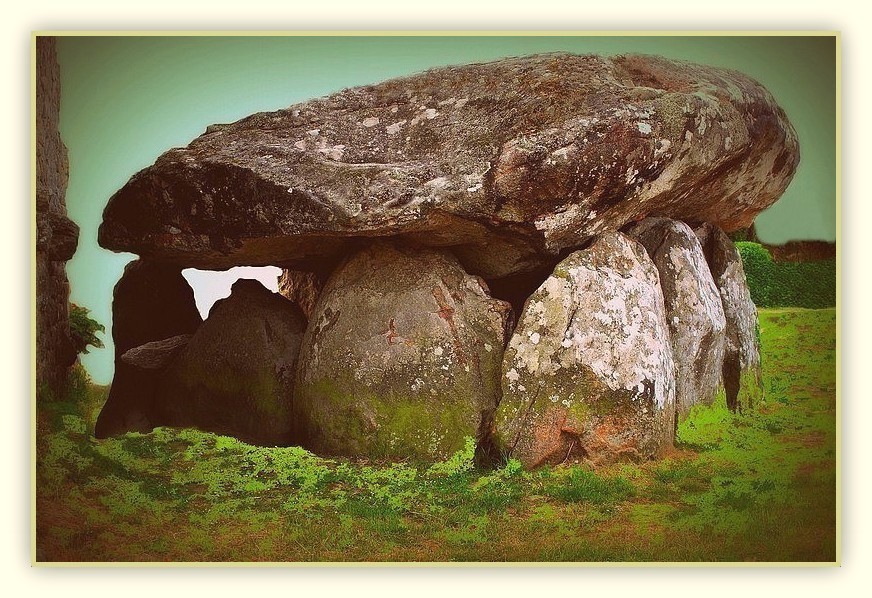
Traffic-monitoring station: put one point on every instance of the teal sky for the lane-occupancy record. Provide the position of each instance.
(126, 100)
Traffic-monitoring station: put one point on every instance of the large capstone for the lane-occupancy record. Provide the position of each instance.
(693, 309)
(151, 302)
(235, 376)
(508, 162)
(588, 374)
(402, 357)
(742, 373)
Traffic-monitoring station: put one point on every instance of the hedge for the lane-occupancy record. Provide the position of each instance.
(787, 284)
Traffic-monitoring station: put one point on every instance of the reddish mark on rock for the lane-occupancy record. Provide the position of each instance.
(570, 429)
(556, 436)
(446, 312)
(452, 290)
(391, 333)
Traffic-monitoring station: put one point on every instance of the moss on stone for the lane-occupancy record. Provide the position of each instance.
(386, 426)
(403, 357)
(256, 404)
(750, 389)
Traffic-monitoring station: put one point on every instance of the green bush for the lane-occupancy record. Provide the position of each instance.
(804, 284)
(745, 234)
(759, 271)
(787, 284)
(83, 330)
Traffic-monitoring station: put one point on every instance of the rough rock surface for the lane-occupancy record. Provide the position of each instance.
(235, 376)
(508, 162)
(301, 287)
(156, 355)
(588, 373)
(56, 235)
(742, 373)
(403, 356)
(693, 309)
(151, 302)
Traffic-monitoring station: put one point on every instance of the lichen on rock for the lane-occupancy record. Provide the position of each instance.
(742, 370)
(588, 373)
(694, 312)
(511, 162)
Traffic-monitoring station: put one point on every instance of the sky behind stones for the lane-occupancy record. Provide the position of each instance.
(126, 100)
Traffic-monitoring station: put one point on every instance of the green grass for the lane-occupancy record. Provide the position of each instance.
(581, 485)
(757, 486)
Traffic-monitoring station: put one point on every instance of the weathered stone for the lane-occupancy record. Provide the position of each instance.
(156, 354)
(302, 288)
(235, 376)
(693, 309)
(508, 162)
(588, 373)
(402, 359)
(151, 302)
(742, 373)
(56, 235)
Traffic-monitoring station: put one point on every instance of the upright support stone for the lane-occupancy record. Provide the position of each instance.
(151, 302)
(742, 373)
(588, 374)
(693, 309)
(401, 358)
(235, 376)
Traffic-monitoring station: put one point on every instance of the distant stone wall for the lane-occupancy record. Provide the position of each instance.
(803, 251)
(56, 235)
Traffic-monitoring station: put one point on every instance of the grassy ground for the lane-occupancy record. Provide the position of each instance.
(753, 487)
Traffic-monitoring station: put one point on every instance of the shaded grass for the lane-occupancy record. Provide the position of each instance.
(580, 485)
(738, 487)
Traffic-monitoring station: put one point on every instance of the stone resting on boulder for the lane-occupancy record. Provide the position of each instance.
(391, 207)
